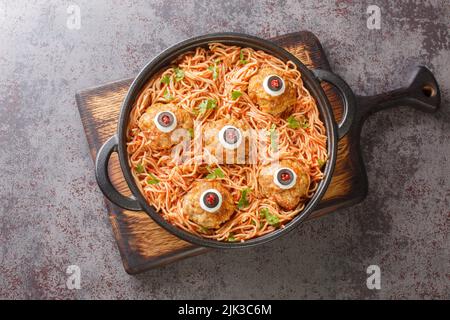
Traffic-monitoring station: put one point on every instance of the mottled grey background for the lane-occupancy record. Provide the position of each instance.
(51, 210)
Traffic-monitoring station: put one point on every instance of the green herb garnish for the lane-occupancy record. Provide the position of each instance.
(207, 105)
(293, 123)
(241, 58)
(235, 94)
(271, 219)
(191, 132)
(215, 69)
(262, 212)
(202, 229)
(168, 96)
(152, 179)
(231, 237)
(243, 201)
(165, 79)
(139, 168)
(179, 74)
(260, 224)
(304, 122)
(215, 174)
(273, 137)
(320, 162)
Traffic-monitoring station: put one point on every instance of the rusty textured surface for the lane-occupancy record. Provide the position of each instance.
(52, 213)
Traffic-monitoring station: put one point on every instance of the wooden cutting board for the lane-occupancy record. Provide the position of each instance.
(142, 243)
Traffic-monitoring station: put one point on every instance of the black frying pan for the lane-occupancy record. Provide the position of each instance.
(416, 94)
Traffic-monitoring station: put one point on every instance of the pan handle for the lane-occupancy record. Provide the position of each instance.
(347, 96)
(103, 180)
(422, 93)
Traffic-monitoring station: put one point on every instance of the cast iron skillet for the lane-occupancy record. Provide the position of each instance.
(311, 79)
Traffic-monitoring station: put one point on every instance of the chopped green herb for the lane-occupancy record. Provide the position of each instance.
(243, 201)
(215, 69)
(215, 174)
(179, 74)
(235, 94)
(152, 179)
(262, 212)
(203, 229)
(320, 162)
(293, 123)
(305, 124)
(273, 137)
(231, 237)
(219, 173)
(191, 132)
(167, 95)
(207, 105)
(241, 58)
(165, 79)
(139, 168)
(260, 224)
(271, 219)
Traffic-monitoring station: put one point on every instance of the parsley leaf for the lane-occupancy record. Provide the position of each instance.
(215, 69)
(207, 105)
(202, 229)
(235, 94)
(320, 162)
(231, 237)
(152, 179)
(139, 168)
(273, 137)
(260, 224)
(241, 58)
(293, 123)
(215, 174)
(304, 122)
(168, 96)
(179, 74)
(262, 212)
(191, 132)
(243, 201)
(271, 219)
(165, 79)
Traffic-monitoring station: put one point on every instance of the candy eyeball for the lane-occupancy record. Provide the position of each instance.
(165, 121)
(230, 137)
(274, 85)
(211, 200)
(284, 178)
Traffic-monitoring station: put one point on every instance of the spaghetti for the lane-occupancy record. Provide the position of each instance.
(211, 84)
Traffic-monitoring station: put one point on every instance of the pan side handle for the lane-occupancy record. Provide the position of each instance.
(422, 93)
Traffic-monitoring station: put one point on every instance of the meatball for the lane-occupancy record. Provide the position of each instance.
(168, 118)
(227, 140)
(286, 183)
(270, 92)
(208, 204)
